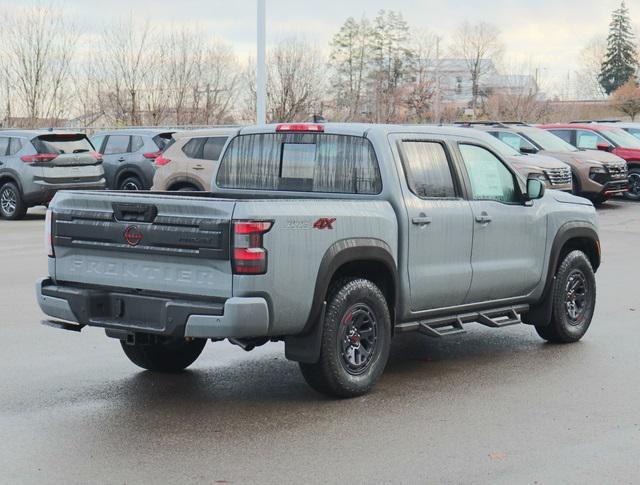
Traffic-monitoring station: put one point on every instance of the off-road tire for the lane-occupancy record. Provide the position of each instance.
(574, 269)
(330, 375)
(165, 355)
(12, 205)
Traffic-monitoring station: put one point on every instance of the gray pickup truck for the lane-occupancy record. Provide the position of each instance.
(332, 238)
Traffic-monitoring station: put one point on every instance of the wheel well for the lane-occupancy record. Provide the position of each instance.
(182, 185)
(375, 271)
(8, 179)
(634, 165)
(587, 245)
(125, 174)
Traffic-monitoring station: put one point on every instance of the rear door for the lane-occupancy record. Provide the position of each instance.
(509, 236)
(172, 245)
(204, 155)
(114, 154)
(440, 225)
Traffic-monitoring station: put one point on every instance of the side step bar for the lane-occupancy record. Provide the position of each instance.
(454, 324)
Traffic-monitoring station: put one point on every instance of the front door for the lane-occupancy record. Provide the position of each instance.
(440, 226)
(509, 235)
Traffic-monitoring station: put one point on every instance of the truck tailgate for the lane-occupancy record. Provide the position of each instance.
(160, 243)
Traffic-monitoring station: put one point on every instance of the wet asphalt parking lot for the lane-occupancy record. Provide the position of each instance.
(491, 406)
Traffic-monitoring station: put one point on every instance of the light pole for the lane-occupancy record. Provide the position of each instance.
(261, 67)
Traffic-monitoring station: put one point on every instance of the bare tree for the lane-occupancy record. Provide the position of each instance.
(626, 99)
(588, 77)
(125, 64)
(37, 47)
(294, 80)
(423, 90)
(476, 44)
(216, 91)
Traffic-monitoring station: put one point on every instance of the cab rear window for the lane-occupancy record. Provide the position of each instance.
(62, 144)
(301, 162)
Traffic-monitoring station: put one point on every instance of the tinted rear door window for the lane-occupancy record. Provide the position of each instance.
(301, 162)
(117, 144)
(213, 148)
(194, 147)
(136, 143)
(15, 145)
(427, 169)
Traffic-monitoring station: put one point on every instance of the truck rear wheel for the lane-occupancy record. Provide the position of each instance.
(355, 342)
(164, 355)
(574, 300)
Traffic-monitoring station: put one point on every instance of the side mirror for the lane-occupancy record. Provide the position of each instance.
(535, 189)
(604, 147)
(528, 150)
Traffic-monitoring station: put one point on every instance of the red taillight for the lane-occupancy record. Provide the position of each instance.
(152, 155)
(160, 161)
(39, 158)
(249, 255)
(97, 156)
(297, 127)
(48, 233)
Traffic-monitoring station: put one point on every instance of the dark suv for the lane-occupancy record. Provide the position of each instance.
(34, 165)
(129, 156)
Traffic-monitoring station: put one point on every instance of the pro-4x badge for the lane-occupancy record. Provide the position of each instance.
(324, 223)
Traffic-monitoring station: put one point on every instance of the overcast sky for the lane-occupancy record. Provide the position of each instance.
(545, 33)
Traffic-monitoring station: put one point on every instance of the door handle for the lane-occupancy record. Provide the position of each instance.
(422, 220)
(198, 167)
(121, 159)
(483, 218)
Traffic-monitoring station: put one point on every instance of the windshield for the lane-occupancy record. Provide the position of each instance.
(548, 141)
(621, 138)
(503, 149)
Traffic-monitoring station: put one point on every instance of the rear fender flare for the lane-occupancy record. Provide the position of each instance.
(306, 346)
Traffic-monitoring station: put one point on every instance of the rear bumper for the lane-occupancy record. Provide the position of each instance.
(130, 313)
(42, 192)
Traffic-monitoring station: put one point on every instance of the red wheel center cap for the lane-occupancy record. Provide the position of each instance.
(355, 339)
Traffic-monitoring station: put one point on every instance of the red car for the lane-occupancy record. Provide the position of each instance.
(606, 138)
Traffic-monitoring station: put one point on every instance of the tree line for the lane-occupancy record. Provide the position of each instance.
(378, 69)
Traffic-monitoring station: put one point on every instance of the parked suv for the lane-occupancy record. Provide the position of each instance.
(191, 160)
(332, 238)
(555, 174)
(34, 165)
(607, 139)
(595, 175)
(129, 156)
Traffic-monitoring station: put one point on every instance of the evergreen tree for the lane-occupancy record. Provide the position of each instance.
(349, 61)
(621, 61)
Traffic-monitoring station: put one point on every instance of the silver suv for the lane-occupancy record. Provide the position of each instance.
(34, 165)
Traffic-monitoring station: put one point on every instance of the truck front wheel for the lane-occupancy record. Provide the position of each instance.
(574, 300)
(165, 354)
(356, 340)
